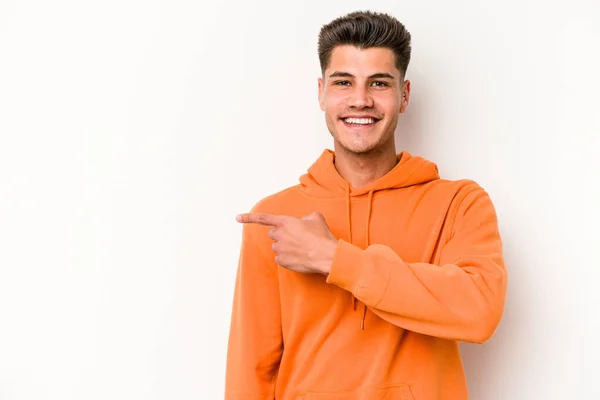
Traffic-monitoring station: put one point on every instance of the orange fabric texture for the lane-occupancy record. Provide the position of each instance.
(418, 268)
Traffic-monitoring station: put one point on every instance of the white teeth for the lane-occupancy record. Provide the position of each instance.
(359, 121)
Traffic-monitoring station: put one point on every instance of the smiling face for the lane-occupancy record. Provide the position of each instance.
(362, 92)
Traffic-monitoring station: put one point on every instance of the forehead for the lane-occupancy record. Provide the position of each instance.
(359, 62)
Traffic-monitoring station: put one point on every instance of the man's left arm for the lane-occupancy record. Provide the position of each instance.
(462, 298)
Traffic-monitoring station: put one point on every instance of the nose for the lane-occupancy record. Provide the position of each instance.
(360, 98)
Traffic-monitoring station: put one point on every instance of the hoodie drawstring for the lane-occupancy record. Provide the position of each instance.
(367, 240)
(349, 230)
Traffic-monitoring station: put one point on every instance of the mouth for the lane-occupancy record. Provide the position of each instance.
(359, 122)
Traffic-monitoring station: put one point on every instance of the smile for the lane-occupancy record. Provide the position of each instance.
(359, 122)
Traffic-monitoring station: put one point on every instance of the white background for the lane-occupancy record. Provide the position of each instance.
(132, 133)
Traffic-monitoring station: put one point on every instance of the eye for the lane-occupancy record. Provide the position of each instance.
(380, 84)
(341, 83)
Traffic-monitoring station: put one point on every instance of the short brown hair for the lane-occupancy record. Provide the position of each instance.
(365, 29)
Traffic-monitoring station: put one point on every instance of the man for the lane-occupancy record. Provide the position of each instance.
(359, 282)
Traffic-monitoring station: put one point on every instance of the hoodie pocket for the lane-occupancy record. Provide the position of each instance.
(392, 392)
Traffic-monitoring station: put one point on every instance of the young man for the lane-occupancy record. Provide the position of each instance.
(359, 282)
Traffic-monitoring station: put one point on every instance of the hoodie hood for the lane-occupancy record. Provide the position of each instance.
(323, 179)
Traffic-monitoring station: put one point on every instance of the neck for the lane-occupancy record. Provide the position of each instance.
(361, 169)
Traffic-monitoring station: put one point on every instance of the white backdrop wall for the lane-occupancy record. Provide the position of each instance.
(132, 133)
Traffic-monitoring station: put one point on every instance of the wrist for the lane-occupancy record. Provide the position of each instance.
(328, 252)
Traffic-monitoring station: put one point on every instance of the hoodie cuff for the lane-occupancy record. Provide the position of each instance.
(346, 266)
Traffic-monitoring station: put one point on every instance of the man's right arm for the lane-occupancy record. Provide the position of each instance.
(255, 338)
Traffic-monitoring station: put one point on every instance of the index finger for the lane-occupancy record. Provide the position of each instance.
(260, 218)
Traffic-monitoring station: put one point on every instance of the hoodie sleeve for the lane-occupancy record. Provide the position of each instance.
(462, 298)
(255, 339)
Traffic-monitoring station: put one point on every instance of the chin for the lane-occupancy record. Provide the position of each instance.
(362, 145)
(357, 148)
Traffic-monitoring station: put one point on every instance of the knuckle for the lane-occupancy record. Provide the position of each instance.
(282, 259)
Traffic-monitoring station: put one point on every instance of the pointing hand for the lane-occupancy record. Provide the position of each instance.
(303, 245)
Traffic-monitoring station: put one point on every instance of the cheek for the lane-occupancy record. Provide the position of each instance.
(389, 105)
(334, 101)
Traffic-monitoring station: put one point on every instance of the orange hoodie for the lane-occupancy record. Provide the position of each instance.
(418, 267)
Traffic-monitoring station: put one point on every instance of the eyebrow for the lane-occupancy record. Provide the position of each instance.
(379, 75)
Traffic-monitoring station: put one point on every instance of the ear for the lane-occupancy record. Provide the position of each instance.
(405, 96)
(321, 94)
